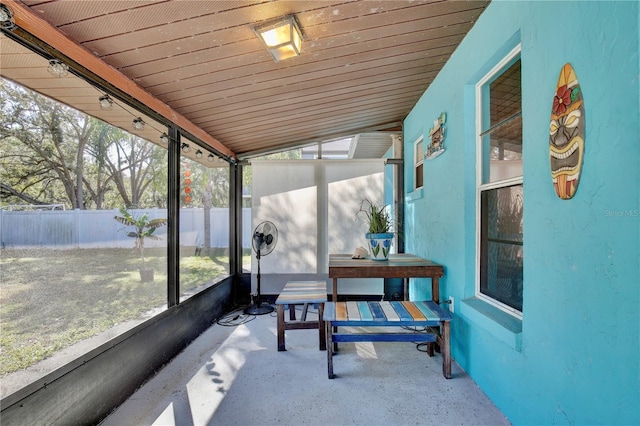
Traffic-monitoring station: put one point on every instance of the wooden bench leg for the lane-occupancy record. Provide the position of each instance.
(329, 346)
(280, 314)
(446, 349)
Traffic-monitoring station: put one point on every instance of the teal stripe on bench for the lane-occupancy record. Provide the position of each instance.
(427, 311)
(365, 312)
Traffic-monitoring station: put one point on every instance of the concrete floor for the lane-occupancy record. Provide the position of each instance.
(234, 375)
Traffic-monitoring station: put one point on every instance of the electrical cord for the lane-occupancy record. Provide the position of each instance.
(235, 318)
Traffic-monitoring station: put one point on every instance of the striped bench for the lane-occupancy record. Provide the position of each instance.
(388, 314)
(301, 293)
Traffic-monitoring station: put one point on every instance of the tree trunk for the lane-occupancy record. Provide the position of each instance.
(207, 216)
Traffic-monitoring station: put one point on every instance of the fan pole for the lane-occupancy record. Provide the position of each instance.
(258, 308)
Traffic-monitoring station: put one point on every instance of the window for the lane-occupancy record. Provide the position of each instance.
(106, 279)
(72, 276)
(418, 161)
(500, 186)
(204, 220)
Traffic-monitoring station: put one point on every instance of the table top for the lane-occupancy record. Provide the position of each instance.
(296, 292)
(402, 265)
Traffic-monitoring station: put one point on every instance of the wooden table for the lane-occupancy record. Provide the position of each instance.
(402, 265)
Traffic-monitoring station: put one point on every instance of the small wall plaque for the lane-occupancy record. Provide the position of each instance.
(437, 134)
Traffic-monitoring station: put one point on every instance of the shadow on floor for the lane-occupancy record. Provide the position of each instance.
(234, 375)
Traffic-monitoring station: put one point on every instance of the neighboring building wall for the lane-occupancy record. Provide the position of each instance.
(573, 359)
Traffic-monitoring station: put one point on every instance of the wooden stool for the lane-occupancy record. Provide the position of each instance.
(301, 293)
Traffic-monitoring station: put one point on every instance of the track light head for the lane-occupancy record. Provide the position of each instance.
(138, 123)
(57, 68)
(6, 18)
(106, 103)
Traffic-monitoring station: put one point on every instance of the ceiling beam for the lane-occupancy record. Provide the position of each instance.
(34, 25)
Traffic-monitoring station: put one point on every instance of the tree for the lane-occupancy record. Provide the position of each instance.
(51, 153)
(132, 165)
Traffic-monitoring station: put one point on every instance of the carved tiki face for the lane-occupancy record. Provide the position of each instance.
(566, 134)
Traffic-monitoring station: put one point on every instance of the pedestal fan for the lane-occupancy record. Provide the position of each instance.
(264, 241)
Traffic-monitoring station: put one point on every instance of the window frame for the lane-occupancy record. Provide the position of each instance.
(481, 91)
(418, 160)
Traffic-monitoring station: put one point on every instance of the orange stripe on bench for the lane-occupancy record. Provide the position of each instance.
(341, 311)
(414, 311)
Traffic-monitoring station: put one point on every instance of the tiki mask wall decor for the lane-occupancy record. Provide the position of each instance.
(566, 134)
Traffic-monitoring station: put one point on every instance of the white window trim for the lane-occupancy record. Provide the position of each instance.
(418, 161)
(480, 187)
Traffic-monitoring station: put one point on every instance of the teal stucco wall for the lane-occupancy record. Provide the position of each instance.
(574, 357)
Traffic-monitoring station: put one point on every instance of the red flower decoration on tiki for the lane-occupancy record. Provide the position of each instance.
(561, 100)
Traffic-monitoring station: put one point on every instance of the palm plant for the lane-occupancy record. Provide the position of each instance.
(144, 228)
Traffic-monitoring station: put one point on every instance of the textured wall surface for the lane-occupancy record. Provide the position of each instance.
(573, 358)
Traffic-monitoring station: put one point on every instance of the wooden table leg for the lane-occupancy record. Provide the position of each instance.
(435, 297)
(292, 312)
(329, 346)
(435, 290)
(406, 289)
(334, 299)
(321, 327)
(334, 293)
(280, 314)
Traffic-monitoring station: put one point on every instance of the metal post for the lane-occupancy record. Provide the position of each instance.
(173, 212)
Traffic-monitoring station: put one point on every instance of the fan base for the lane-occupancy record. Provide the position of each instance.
(259, 310)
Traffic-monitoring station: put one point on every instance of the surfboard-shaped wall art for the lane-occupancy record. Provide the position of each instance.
(566, 134)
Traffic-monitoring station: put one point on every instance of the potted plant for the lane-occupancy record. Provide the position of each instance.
(380, 227)
(144, 228)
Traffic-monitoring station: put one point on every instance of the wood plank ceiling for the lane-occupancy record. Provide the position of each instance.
(364, 64)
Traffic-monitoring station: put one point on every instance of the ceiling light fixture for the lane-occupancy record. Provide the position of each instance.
(58, 68)
(138, 123)
(106, 103)
(164, 138)
(282, 38)
(198, 154)
(6, 18)
(185, 147)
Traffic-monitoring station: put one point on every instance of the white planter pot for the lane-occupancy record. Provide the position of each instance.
(380, 245)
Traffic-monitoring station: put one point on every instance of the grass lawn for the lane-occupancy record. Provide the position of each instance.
(51, 299)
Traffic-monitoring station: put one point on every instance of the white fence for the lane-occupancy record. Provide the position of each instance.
(99, 229)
